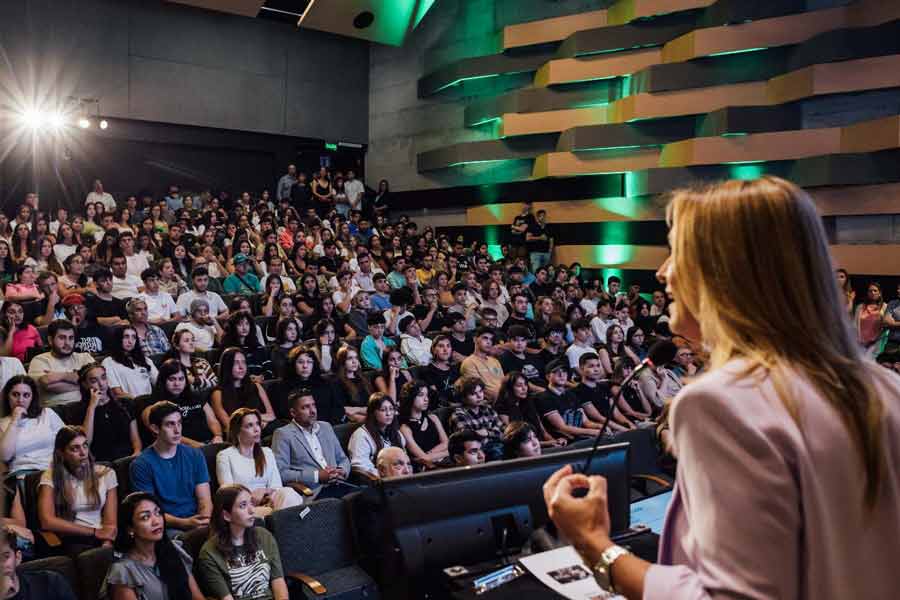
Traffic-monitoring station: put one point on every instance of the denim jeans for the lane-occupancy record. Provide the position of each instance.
(538, 260)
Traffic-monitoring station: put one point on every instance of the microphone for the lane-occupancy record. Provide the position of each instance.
(660, 353)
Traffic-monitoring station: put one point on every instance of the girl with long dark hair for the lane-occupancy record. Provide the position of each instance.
(351, 385)
(76, 497)
(200, 374)
(28, 431)
(380, 430)
(394, 374)
(514, 404)
(240, 332)
(22, 335)
(237, 390)
(130, 373)
(235, 541)
(149, 565)
(108, 422)
(426, 440)
(199, 425)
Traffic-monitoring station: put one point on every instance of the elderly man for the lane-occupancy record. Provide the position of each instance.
(152, 338)
(393, 462)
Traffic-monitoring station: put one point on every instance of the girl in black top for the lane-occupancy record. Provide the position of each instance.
(109, 424)
(426, 440)
(394, 374)
(237, 390)
(307, 297)
(240, 332)
(514, 404)
(351, 386)
(199, 425)
(302, 371)
(287, 335)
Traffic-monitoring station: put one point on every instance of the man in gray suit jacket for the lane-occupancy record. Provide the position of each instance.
(307, 451)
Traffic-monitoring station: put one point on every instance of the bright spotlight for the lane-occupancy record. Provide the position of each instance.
(103, 124)
(57, 120)
(33, 118)
(84, 123)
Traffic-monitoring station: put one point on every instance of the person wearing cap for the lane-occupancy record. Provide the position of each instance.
(242, 281)
(160, 305)
(482, 365)
(559, 407)
(89, 336)
(374, 344)
(206, 329)
(414, 346)
(515, 358)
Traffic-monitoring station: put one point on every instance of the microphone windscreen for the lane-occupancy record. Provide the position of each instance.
(662, 352)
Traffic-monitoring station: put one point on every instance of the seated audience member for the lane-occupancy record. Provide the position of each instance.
(519, 315)
(400, 300)
(28, 432)
(25, 289)
(394, 374)
(24, 335)
(77, 498)
(160, 305)
(659, 384)
(357, 317)
(287, 335)
(9, 365)
(302, 371)
(615, 349)
(422, 431)
(201, 376)
(482, 365)
(381, 299)
(478, 415)
(379, 431)
(90, 336)
(130, 372)
(151, 337)
(440, 374)
(602, 320)
(75, 281)
(553, 344)
(325, 347)
(56, 372)
(307, 451)
(595, 398)
(351, 386)
(416, 348)
(205, 328)
(559, 407)
(240, 332)
(462, 306)
(515, 404)
(632, 403)
(517, 358)
(33, 584)
(464, 448)
(199, 425)
(237, 390)
(393, 462)
(199, 291)
(250, 464)
(101, 305)
(124, 284)
(43, 312)
(242, 281)
(148, 564)
(108, 422)
(239, 561)
(520, 441)
(635, 340)
(374, 344)
(581, 330)
(172, 471)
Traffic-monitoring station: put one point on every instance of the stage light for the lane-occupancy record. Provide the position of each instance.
(33, 118)
(56, 120)
(104, 124)
(84, 123)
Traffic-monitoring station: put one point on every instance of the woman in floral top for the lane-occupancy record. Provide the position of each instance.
(200, 374)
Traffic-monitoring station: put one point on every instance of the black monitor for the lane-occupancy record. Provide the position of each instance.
(467, 515)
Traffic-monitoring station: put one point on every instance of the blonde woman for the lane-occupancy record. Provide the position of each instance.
(788, 472)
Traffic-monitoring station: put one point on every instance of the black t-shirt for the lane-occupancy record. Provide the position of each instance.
(440, 383)
(43, 585)
(536, 228)
(300, 197)
(98, 307)
(599, 396)
(438, 319)
(465, 347)
(531, 366)
(112, 423)
(90, 337)
(566, 404)
(549, 357)
(541, 289)
(526, 323)
(519, 238)
(520, 411)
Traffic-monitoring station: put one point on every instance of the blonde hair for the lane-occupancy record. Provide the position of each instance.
(775, 304)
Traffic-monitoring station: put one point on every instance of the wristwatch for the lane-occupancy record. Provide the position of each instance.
(602, 569)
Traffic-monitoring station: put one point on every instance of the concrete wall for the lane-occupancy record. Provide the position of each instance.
(402, 125)
(150, 60)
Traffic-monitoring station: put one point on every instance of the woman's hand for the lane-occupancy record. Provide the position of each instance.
(583, 521)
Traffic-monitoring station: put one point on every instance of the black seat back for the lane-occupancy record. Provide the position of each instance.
(92, 568)
(343, 432)
(209, 454)
(319, 542)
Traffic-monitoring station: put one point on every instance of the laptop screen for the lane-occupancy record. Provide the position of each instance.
(651, 512)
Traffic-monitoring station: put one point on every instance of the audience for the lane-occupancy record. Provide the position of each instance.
(380, 430)
(464, 448)
(56, 371)
(108, 421)
(129, 371)
(393, 462)
(477, 415)
(199, 425)
(423, 435)
(28, 431)
(23, 334)
(33, 584)
(520, 441)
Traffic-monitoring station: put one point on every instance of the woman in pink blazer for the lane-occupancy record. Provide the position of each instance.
(789, 447)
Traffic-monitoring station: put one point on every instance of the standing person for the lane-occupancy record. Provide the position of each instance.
(769, 412)
(148, 565)
(77, 498)
(519, 229)
(285, 183)
(381, 203)
(539, 241)
(248, 463)
(239, 561)
(355, 191)
(869, 320)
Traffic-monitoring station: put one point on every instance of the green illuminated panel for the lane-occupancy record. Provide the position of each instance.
(741, 51)
(613, 254)
(332, 147)
(421, 10)
(620, 206)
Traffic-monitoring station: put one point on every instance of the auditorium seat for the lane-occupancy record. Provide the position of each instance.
(317, 552)
(209, 454)
(63, 565)
(92, 568)
(122, 468)
(193, 541)
(343, 433)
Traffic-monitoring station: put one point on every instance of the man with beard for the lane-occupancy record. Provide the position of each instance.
(77, 498)
(56, 372)
(31, 584)
(102, 306)
(89, 336)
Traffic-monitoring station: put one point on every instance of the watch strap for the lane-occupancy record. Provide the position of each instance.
(603, 568)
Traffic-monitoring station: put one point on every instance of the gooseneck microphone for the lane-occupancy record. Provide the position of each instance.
(660, 353)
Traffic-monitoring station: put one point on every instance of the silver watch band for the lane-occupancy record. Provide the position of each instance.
(603, 568)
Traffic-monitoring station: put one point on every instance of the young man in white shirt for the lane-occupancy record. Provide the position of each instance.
(125, 285)
(355, 191)
(137, 263)
(581, 329)
(56, 372)
(99, 195)
(414, 346)
(160, 305)
(200, 279)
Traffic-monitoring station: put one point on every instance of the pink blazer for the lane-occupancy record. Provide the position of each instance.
(764, 509)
